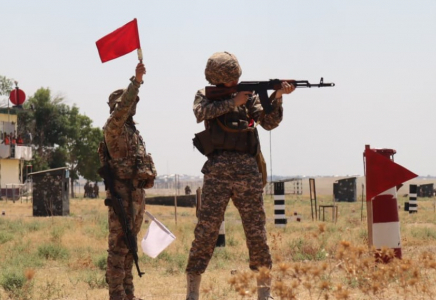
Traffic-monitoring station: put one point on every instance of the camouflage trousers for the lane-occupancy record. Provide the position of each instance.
(120, 261)
(236, 176)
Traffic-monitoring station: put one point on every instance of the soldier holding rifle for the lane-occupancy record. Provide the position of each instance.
(231, 144)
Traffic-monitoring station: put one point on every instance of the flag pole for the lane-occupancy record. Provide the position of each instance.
(140, 55)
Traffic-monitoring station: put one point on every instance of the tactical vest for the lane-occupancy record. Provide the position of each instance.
(231, 132)
(137, 164)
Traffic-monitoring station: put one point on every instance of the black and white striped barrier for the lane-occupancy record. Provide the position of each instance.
(279, 204)
(221, 241)
(413, 198)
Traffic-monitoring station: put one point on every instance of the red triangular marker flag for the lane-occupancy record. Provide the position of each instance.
(119, 42)
(383, 174)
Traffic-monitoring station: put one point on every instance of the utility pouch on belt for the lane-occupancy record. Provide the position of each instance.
(202, 141)
(140, 168)
(146, 171)
(108, 202)
(261, 164)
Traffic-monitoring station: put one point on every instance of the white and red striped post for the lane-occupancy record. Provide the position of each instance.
(386, 222)
(383, 176)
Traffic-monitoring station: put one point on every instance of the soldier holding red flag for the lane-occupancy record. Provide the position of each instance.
(129, 168)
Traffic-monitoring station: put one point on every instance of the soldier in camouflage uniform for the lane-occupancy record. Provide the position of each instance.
(96, 190)
(231, 170)
(86, 190)
(122, 149)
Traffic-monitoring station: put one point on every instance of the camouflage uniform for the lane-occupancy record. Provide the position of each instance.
(86, 190)
(122, 140)
(231, 174)
(96, 190)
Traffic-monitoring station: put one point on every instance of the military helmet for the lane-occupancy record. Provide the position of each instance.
(115, 97)
(222, 67)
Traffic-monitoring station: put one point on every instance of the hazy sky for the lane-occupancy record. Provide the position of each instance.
(380, 54)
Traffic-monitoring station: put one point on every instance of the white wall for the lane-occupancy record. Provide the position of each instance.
(10, 171)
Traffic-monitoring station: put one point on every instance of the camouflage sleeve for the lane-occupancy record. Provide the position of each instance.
(271, 120)
(205, 109)
(122, 110)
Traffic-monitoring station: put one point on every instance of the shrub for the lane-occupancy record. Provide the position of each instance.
(51, 290)
(52, 251)
(101, 262)
(15, 283)
(56, 234)
(5, 237)
(95, 280)
(424, 233)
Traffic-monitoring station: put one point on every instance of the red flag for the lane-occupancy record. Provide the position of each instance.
(383, 174)
(119, 42)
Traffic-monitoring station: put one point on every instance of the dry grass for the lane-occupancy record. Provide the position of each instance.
(64, 257)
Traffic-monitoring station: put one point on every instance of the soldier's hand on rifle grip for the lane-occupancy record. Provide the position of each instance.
(286, 89)
(241, 98)
(139, 72)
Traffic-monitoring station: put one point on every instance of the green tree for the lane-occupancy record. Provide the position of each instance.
(46, 121)
(81, 147)
(6, 86)
(61, 136)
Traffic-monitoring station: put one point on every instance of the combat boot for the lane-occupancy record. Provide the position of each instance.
(264, 289)
(193, 287)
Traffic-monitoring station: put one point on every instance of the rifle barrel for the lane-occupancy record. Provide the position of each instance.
(216, 92)
(315, 85)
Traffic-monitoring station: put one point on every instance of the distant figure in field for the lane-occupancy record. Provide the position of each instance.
(86, 189)
(96, 190)
(187, 190)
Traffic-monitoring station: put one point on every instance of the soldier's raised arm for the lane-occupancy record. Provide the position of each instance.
(122, 102)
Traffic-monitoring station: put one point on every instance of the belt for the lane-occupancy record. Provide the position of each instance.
(133, 183)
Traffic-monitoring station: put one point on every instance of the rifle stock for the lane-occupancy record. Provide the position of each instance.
(261, 88)
(117, 204)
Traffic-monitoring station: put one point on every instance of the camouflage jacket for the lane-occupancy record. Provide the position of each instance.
(205, 109)
(126, 150)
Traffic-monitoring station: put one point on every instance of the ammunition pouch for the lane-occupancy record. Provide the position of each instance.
(220, 137)
(145, 171)
(140, 168)
(202, 141)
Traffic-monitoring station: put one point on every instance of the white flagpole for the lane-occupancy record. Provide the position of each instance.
(140, 54)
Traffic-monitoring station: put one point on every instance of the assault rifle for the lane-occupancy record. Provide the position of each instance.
(117, 204)
(260, 88)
